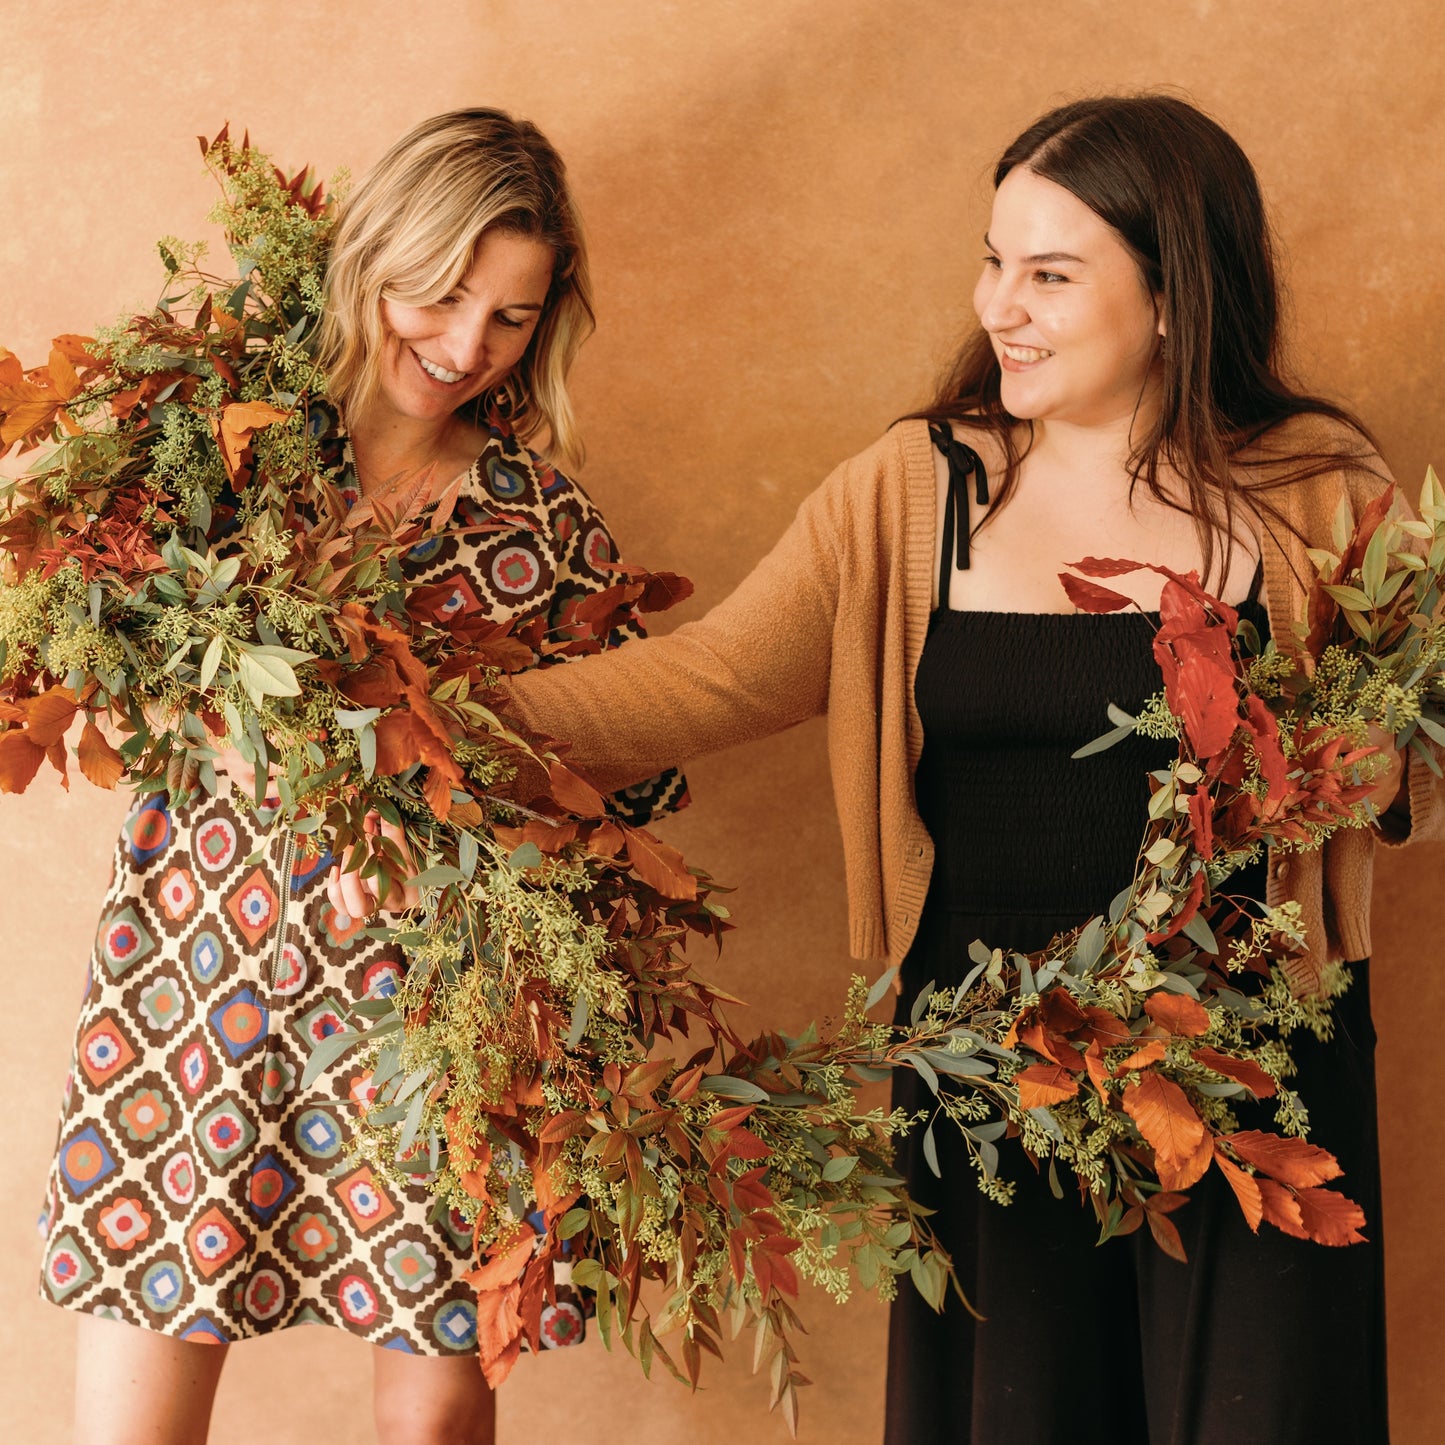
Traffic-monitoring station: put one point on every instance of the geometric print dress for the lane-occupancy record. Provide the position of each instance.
(196, 1189)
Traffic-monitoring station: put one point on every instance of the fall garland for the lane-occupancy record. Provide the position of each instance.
(181, 564)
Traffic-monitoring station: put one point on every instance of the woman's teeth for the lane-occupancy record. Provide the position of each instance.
(1025, 353)
(440, 373)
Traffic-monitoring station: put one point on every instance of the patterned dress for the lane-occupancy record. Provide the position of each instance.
(197, 1190)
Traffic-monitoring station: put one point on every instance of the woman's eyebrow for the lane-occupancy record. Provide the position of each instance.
(1042, 257)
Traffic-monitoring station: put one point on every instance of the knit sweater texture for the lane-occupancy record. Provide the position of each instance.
(833, 621)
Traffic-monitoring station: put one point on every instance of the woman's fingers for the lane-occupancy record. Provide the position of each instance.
(1390, 781)
(401, 896)
(356, 896)
(350, 893)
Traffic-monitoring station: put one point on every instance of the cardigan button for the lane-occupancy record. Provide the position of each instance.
(1278, 867)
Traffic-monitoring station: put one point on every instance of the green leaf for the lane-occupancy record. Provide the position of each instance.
(327, 1052)
(726, 1086)
(1350, 598)
(920, 1004)
(573, 1222)
(579, 1021)
(348, 717)
(925, 1070)
(529, 855)
(1106, 740)
(930, 1153)
(212, 660)
(881, 986)
(437, 877)
(1198, 932)
(264, 676)
(839, 1168)
(468, 853)
(1372, 569)
(586, 1273)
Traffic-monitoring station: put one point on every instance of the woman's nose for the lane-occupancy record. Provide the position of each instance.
(1003, 306)
(464, 341)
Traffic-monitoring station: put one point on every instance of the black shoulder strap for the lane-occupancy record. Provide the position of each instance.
(963, 461)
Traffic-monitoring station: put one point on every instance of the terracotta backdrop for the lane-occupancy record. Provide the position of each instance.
(785, 201)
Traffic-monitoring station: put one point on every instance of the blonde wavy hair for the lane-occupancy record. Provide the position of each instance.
(408, 234)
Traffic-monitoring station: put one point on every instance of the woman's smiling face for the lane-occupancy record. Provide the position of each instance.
(1075, 329)
(437, 358)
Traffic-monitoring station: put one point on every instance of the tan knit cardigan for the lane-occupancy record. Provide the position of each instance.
(832, 621)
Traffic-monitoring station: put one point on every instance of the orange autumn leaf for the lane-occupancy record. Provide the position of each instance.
(659, 866)
(1098, 1069)
(1165, 1118)
(1178, 1013)
(63, 379)
(1246, 1189)
(505, 1268)
(1291, 1161)
(1281, 1209)
(1244, 1071)
(20, 760)
(98, 760)
(1330, 1218)
(1043, 1084)
(550, 837)
(1187, 1172)
(499, 1332)
(1142, 1057)
(239, 423)
(574, 792)
(50, 715)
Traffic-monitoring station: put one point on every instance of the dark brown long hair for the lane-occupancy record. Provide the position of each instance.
(1184, 199)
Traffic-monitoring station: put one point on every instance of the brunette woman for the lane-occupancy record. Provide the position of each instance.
(1124, 397)
(199, 1196)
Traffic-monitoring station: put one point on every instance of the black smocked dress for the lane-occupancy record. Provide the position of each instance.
(1258, 1340)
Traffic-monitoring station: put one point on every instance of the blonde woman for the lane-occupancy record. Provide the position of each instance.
(199, 1196)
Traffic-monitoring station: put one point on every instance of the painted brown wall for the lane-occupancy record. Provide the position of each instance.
(785, 201)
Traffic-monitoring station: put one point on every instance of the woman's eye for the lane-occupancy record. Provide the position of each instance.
(1049, 277)
(512, 323)
(992, 262)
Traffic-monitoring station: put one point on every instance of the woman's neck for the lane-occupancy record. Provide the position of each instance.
(386, 447)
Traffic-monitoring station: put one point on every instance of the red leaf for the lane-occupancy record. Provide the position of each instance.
(1246, 1189)
(1107, 566)
(1291, 1161)
(1165, 1118)
(1177, 1012)
(751, 1192)
(1330, 1218)
(1090, 597)
(1043, 1084)
(1246, 1072)
(1166, 1236)
(661, 590)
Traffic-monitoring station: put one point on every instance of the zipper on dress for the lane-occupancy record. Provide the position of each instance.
(288, 860)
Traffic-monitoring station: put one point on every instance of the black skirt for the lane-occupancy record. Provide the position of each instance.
(1258, 1340)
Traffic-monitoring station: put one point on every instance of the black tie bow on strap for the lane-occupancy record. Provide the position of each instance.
(963, 461)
